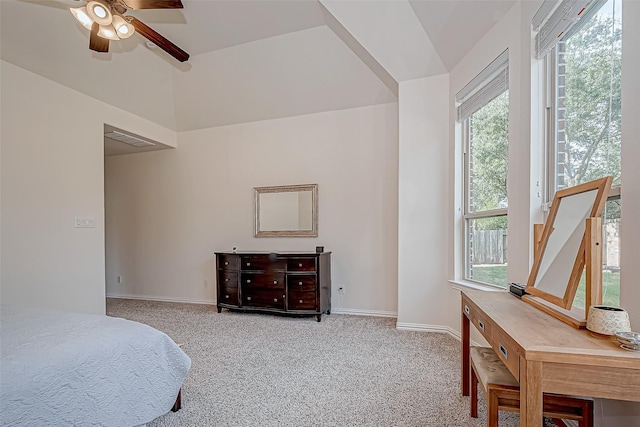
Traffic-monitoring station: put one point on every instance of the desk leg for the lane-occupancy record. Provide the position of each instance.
(465, 353)
(530, 393)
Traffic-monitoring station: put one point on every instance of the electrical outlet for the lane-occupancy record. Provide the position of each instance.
(205, 284)
(85, 222)
(118, 279)
(341, 289)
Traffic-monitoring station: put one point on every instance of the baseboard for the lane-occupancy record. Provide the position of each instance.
(358, 312)
(433, 328)
(162, 299)
(427, 328)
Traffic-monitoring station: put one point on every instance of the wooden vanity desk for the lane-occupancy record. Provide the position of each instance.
(545, 354)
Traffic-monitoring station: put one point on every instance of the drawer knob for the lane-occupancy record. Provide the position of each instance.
(226, 296)
(275, 300)
(248, 280)
(275, 282)
(226, 280)
(248, 264)
(299, 283)
(503, 350)
(481, 324)
(300, 301)
(226, 263)
(466, 309)
(248, 298)
(300, 265)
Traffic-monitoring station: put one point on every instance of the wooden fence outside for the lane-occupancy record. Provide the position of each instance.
(489, 246)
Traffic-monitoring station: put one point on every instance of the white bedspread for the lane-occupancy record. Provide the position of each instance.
(70, 369)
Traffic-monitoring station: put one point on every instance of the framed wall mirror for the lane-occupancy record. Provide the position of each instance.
(286, 211)
(561, 252)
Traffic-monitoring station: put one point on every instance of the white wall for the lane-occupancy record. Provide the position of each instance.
(630, 232)
(168, 211)
(424, 301)
(52, 172)
(304, 72)
(627, 413)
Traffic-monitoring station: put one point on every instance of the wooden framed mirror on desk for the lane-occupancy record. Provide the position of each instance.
(569, 242)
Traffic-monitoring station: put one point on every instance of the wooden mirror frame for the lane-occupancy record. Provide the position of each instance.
(313, 232)
(602, 186)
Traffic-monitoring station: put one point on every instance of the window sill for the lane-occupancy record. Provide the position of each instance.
(463, 284)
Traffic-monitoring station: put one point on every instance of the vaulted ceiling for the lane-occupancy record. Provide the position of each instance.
(250, 59)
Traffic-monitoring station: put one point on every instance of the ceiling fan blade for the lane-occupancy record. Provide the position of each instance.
(159, 40)
(152, 4)
(96, 42)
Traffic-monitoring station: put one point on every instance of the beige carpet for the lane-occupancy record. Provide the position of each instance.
(265, 370)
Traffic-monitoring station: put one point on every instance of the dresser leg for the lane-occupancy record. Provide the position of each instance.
(328, 312)
(319, 317)
(219, 309)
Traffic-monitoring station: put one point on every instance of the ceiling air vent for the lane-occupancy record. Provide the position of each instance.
(128, 139)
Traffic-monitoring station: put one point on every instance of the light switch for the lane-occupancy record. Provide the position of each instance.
(85, 222)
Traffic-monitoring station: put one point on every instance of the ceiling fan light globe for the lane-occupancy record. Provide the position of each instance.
(123, 28)
(100, 12)
(108, 32)
(81, 15)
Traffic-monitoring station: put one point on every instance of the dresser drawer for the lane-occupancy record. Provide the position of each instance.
(302, 301)
(228, 262)
(300, 283)
(228, 295)
(507, 350)
(272, 280)
(228, 278)
(478, 320)
(263, 298)
(261, 263)
(301, 264)
(482, 324)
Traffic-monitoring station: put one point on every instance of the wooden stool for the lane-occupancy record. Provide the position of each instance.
(502, 392)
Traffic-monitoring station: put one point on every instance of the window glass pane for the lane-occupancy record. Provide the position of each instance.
(488, 142)
(588, 90)
(487, 250)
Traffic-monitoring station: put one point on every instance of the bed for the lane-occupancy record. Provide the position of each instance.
(61, 368)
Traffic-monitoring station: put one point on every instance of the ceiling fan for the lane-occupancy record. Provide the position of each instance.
(106, 20)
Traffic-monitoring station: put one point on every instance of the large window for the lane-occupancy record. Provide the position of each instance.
(484, 115)
(584, 70)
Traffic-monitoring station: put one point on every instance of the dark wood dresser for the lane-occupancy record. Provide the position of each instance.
(294, 283)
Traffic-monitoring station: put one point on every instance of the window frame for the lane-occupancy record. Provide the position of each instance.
(550, 121)
(468, 216)
(550, 116)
